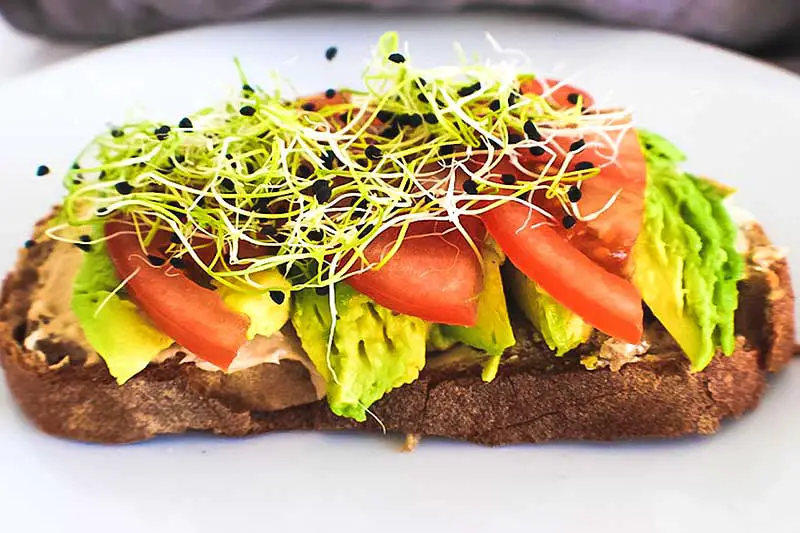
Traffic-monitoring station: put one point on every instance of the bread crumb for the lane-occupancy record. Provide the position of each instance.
(411, 442)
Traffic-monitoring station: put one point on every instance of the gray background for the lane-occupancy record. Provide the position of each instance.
(766, 28)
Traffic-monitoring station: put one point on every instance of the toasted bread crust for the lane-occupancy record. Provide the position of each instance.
(535, 397)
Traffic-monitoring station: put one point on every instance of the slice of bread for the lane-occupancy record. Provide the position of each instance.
(536, 396)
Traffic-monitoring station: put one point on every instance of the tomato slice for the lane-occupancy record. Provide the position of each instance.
(615, 150)
(558, 93)
(608, 302)
(434, 275)
(195, 317)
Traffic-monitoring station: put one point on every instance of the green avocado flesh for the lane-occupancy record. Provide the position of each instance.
(125, 339)
(492, 332)
(686, 264)
(374, 350)
(561, 329)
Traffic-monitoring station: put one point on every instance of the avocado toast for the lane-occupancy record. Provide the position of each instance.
(470, 252)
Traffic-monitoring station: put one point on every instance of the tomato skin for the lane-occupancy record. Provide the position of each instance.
(558, 97)
(196, 318)
(435, 276)
(608, 302)
(607, 239)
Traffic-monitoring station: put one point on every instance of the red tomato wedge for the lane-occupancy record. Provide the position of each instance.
(608, 302)
(559, 94)
(615, 150)
(196, 318)
(434, 275)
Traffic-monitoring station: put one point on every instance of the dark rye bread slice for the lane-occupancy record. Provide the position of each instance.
(536, 397)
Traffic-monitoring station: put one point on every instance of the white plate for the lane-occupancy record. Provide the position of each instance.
(738, 120)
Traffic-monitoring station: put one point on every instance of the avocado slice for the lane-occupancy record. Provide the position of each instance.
(123, 337)
(492, 332)
(268, 309)
(561, 329)
(372, 350)
(686, 264)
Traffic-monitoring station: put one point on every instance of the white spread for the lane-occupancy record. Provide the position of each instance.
(51, 312)
(51, 308)
(261, 350)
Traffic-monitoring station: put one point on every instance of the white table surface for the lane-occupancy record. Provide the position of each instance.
(21, 53)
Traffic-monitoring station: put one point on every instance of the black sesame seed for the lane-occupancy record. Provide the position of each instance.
(577, 145)
(250, 167)
(584, 165)
(397, 58)
(180, 158)
(415, 120)
(155, 260)
(102, 211)
(373, 152)
(431, 118)
(512, 99)
(319, 185)
(469, 89)
(574, 194)
(509, 179)
(568, 221)
(247, 88)
(228, 156)
(178, 263)
(227, 183)
(531, 131)
(470, 187)
(185, 124)
(422, 82)
(391, 132)
(123, 187)
(84, 244)
(536, 151)
(402, 119)
(174, 238)
(247, 110)
(308, 106)
(315, 235)
(331, 52)
(42, 170)
(323, 194)
(514, 138)
(162, 132)
(29, 243)
(117, 133)
(303, 171)
(422, 97)
(330, 93)
(385, 116)
(494, 105)
(572, 98)
(446, 149)
(277, 296)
